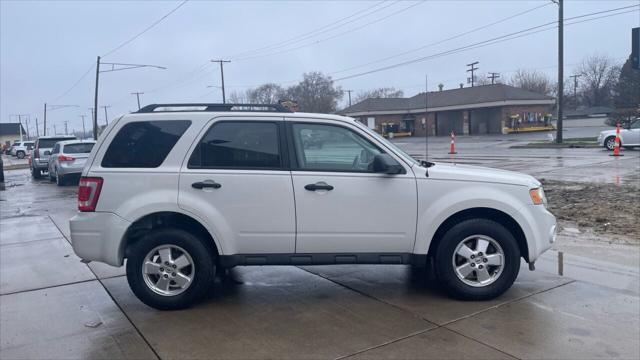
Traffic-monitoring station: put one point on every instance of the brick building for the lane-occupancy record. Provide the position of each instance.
(486, 109)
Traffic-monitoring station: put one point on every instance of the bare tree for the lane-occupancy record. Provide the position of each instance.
(238, 97)
(533, 81)
(599, 75)
(268, 93)
(383, 92)
(481, 79)
(315, 93)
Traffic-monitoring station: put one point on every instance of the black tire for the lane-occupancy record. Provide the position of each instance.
(51, 178)
(203, 256)
(20, 154)
(446, 274)
(609, 143)
(35, 173)
(60, 180)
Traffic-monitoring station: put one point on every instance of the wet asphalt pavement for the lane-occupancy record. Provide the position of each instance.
(54, 306)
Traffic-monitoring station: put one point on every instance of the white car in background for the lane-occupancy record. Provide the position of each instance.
(629, 136)
(22, 149)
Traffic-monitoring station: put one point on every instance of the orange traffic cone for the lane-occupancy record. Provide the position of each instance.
(452, 147)
(616, 148)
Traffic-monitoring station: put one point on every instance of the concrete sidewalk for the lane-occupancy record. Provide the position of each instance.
(53, 306)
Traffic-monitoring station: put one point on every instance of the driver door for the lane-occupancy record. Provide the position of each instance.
(342, 206)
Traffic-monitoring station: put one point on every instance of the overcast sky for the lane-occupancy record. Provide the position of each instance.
(46, 47)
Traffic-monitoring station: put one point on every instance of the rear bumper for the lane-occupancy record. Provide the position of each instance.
(97, 236)
(70, 170)
(40, 164)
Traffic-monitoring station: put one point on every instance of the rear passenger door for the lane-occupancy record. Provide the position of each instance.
(236, 177)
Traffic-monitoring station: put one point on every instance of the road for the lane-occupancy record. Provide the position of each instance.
(54, 306)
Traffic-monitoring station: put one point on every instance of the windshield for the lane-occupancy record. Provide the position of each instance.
(388, 143)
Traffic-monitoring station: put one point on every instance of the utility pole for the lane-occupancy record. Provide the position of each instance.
(37, 129)
(472, 68)
(560, 70)
(106, 118)
(83, 129)
(224, 100)
(575, 88)
(66, 129)
(493, 76)
(93, 116)
(137, 94)
(45, 119)
(55, 132)
(349, 92)
(95, 104)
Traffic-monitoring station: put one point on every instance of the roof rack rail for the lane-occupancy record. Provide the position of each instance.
(209, 107)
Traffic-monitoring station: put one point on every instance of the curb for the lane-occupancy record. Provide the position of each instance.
(16, 167)
(555, 146)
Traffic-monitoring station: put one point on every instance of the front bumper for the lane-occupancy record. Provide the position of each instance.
(97, 236)
(539, 227)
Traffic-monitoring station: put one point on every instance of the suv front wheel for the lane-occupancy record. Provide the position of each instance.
(477, 259)
(170, 269)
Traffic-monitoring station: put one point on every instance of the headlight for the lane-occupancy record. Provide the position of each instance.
(537, 196)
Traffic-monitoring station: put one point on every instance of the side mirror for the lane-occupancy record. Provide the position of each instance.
(47, 152)
(384, 163)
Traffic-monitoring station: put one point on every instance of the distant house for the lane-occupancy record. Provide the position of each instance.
(10, 133)
(486, 109)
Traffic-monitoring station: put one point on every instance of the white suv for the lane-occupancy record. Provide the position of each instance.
(180, 194)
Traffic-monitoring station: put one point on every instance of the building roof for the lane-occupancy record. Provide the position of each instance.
(8, 129)
(454, 99)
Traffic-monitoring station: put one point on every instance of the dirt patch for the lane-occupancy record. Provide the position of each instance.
(606, 209)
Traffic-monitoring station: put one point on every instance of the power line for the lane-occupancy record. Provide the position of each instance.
(315, 42)
(310, 33)
(498, 39)
(145, 30)
(444, 40)
(75, 84)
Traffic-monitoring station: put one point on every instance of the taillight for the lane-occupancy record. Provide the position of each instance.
(36, 154)
(65, 158)
(88, 193)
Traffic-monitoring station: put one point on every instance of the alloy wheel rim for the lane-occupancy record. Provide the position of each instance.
(478, 260)
(611, 144)
(168, 270)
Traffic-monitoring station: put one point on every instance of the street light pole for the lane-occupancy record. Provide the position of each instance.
(106, 118)
(137, 94)
(45, 119)
(560, 71)
(114, 67)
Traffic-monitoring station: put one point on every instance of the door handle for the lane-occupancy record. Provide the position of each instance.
(206, 184)
(318, 186)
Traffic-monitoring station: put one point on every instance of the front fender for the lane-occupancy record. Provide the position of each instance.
(440, 199)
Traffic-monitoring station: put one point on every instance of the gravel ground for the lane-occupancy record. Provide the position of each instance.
(605, 209)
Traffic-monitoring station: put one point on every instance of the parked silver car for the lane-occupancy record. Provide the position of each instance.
(40, 157)
(67, 160)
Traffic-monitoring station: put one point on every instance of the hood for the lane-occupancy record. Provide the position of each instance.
(446, 171)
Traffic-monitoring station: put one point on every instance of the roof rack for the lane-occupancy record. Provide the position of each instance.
(208, 107)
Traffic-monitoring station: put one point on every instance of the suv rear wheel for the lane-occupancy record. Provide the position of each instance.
(20, 154)
(35, 173)
(170, 269)
(477, 259)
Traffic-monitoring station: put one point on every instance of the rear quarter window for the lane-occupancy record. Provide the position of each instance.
(143, 144)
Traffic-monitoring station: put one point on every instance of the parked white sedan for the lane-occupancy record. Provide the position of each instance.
(629, 136)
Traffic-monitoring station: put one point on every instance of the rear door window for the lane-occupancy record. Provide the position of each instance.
(239, 145)
(143, 144)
